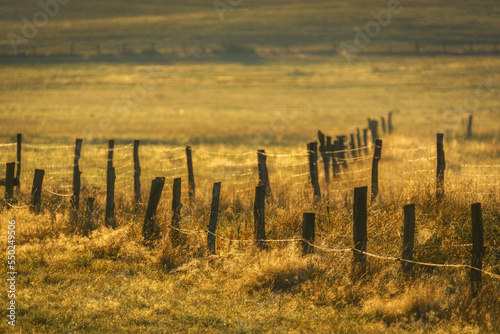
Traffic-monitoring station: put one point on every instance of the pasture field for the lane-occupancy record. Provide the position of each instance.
(110, 282)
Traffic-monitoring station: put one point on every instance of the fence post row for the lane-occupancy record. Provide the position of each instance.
(408, 238)
(441, 165)
(376, 158)
(191, 188)
(360, 213)
(18, 172)
(263, 173)
(312, 149)
(36, 190)
(150, 231)
(75, 199)
(137, 175)
(308, 224)
(214, 214)
(259, 216)
(477, 249)
(175, 236)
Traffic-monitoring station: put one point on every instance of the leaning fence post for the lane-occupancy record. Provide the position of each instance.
(376, 158)
(308, 222)
(110, 198)
(469, 127)
(312, 149)
(150, 231)
(175, 236)
(191, 188)
(75, 199)
(263, 172)
(477, 249)
(9, 182)
(214, 213)
(18, 172)
(408, 238)
(36, 190)
(441, 165)
(360, 213)
(137, 174)
(259, 216)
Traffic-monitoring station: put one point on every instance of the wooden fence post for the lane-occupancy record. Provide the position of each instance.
(335, 158)
(373, 126)
(89, 217)
(36, 190)
(111, 148)
(308, 223)
(259, 214)
(75, 199)
(191, 188)
(175, 235)
(137, 175)
(441, 165)
(360, 213)
(408, 238)
(9, 182)
(313, 167)
(469, 127)
(376, 158)
(214, 213)
(18, 171)
(477, 249)
(352, 144)
(150, 231)
(342, 148)
(389, 122)
(110, 198)
(365, 140)
(325, 156)
(329, 158)
(358, 135)
(263, 172)
(382, 119)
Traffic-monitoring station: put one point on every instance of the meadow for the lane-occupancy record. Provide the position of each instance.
(110, 282)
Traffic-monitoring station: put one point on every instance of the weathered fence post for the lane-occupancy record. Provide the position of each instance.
(89, 217)
(312, 149)
(335, 159)
(214, 213)
(110, 198)
(36, 190)
(75, 199)
(373, 126)
(389, 122)
(477, 249)
(352, 144)
(325, 156)
(259, 213)
(365, 140)
(342, 148)
(191, 186)
(18, 171)
(137, 175)
(308, 223)
(358, 135)
(329, 158)
(469, 127)
(408, 238)
(360, 213)
(150, 231)
(441, 165)
(9, 182)
(376, 158)
(111, 148)
(263, 173)
(382, 119)
(175, 235)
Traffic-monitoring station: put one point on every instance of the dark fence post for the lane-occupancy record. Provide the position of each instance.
(342, 148)
(18, 172)
(175, 235)
(111, 148)
(313, 167)
(214, 213)
(191, 188)
(335, 158)
(259, 216)
(352, 144)
(9, 182)
(110, 198)
(376, 158)
(373, 126)
(382, 119)
(389, 122)
(358, 135)
(408, 238)
(263, 173)
(137, 175)
(360, 213)
(365, 140)
(325, 156)
(150, 231)
(36, 190)
(89, 217)
(75, 199)
(469, 127)
(477, 249)
(441, 165)
(308, 222)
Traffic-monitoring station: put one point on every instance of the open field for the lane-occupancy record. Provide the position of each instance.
(226, 111)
